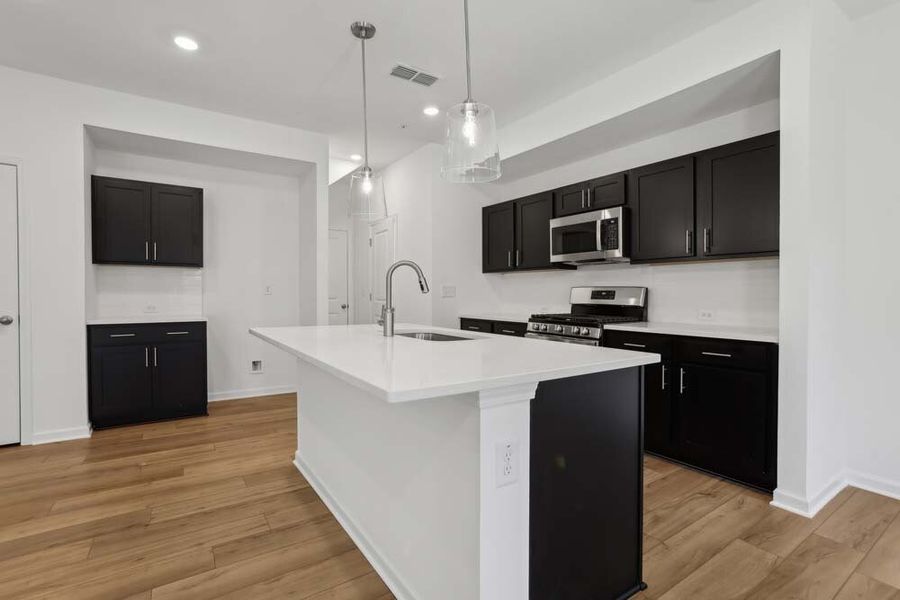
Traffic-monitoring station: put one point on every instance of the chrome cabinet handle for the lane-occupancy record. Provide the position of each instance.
(582, 199)
(155, 364)
(687, 241)
(509, 258)
(589, 197)
(146, 357)
(663, 377)
(147, 251)
(6, 320)
(118, 335)
(474, 327)
(630, 345)
(517, 258)
(705, 240)
(719, 354)
(681, 381)
(155, 258)
(178, 332)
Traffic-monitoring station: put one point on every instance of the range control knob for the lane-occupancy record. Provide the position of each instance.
(535, 326)
(576, 330)
(586, 331)
(543, 328)
(559, 328)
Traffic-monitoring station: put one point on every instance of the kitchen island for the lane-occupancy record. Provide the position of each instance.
(488, 467)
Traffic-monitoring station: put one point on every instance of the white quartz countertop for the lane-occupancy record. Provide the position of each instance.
(151, 318)
(401, 369)
(497, 316)
(724, 332)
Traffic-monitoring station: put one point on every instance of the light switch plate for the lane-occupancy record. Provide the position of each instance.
(448, 291)
(705, 314)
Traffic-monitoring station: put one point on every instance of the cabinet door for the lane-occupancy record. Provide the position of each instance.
(533, 216)
(120, 217)
(658, 409)
(605, 192)
(570, 200)
(498, 237)
(661, 198)
(177, 225)
(179, 378)
(737, 197)
(722, 422)
(120, 385)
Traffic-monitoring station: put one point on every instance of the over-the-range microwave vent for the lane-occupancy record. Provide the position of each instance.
(414, 75)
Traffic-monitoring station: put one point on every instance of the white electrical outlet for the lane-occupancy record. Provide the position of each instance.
(268, 290)
(448, 291)
(150, 308)
(507, 462)
(705, 314)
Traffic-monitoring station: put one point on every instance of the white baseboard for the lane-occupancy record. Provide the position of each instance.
(864, 481)
(251, 393)
(381, 565)
(874, 483)
(60, 435)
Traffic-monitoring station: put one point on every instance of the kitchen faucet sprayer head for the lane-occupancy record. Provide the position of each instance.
(423, 285)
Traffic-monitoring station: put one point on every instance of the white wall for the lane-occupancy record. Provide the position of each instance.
(250, 222)
(42, 123)
(871, 351)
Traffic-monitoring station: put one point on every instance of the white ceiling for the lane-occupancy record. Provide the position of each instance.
(295, 62)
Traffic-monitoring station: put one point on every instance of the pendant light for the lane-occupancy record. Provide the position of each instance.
(366, 188)
(471, 152)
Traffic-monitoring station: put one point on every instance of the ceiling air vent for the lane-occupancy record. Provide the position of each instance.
(414, 75)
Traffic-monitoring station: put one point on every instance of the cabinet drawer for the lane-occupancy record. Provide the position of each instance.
(640, 342)
(506, 328)
(723, 353)
(476, 325)
(174, 332)
(144, 333)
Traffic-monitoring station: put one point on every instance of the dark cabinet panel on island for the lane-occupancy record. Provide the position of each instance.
(500, 327)
(146, 372)
(141, 223)
(710, 403)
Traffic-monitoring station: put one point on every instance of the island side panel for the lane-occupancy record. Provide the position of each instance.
(403, 479)
(586, 486)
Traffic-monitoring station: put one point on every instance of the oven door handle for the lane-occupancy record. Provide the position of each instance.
(560, 338)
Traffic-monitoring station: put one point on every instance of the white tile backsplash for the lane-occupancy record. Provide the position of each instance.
(122, 291)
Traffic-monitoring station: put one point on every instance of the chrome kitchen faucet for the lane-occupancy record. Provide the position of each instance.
(387, 309)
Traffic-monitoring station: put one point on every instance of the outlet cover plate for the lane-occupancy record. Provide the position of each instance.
(506, 460)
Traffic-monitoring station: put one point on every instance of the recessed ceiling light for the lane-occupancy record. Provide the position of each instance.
(431, 111)
(356, 157)
(186, 43)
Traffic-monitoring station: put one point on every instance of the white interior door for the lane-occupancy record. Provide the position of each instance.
(338, 288)
(9, 306)
(382, 245)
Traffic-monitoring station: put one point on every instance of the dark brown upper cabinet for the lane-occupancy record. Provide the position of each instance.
(738, 198)
(533, 215)
(516, 234)
(141, 223)
(498, 223)
(594, 194)
(661, 198)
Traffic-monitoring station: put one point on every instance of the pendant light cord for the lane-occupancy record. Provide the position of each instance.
(365, 109)
(468, 62)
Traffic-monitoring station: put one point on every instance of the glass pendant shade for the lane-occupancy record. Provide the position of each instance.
(471, 150)
(367, 195)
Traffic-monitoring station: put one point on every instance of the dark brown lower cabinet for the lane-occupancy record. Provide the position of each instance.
(711, 404)
(146, 372)
(516, 329)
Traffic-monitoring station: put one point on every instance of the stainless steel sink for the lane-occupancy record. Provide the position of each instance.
(432, 336)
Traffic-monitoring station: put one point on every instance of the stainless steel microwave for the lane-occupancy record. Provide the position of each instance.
(591, 237)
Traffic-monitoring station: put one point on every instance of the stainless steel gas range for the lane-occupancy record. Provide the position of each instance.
(592, 308)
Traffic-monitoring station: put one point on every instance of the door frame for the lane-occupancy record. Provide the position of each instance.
(351, 313)
(26, 416)
(371, 257)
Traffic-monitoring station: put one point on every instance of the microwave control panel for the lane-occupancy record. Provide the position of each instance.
(609, 234)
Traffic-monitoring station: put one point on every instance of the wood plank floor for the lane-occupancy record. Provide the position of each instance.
(213, 508)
